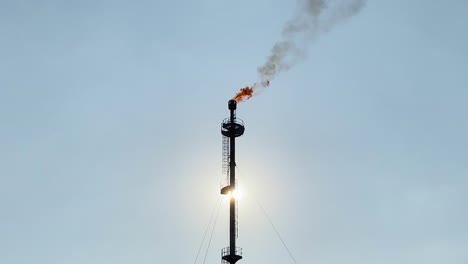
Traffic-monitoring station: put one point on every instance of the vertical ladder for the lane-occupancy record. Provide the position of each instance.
(226, 157)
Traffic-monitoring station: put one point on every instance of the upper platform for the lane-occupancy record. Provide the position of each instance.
(230, 129)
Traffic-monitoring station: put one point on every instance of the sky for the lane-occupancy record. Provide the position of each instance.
(110, 144)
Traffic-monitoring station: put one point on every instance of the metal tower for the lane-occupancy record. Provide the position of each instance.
(231, 128)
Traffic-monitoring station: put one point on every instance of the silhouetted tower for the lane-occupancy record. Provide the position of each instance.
(231, 128)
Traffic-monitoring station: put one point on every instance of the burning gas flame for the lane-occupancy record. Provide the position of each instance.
(244, 94)
(248, 91)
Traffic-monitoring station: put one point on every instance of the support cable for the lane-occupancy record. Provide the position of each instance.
(276, 231)
(212, 231)
(272, 225)
(206, 230)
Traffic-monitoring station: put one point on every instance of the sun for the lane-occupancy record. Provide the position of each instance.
(237, 194)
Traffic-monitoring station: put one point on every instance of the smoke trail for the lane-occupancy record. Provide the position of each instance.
(314, 17)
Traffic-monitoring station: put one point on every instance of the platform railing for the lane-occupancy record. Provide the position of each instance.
(236, 120)
(226, 122)
(227, 251)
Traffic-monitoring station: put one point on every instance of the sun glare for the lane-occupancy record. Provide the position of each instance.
(237, 195)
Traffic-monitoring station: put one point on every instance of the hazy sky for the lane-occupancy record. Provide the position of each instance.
(111, 150)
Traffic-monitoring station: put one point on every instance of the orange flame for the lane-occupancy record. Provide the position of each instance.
(247, 92)
(244, 94)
